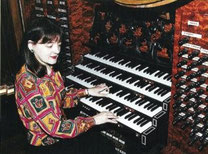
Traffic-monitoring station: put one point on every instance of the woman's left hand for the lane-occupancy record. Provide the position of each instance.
(101, 90)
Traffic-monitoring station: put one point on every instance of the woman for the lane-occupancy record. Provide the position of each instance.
(40, 95)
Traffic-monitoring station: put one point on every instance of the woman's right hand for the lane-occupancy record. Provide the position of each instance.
(105, 117)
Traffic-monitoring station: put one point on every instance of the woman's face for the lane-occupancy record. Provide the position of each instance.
(47, 53)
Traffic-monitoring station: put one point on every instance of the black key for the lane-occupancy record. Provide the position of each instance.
(132, 117)
(127, 116)
(122, 93)
(149, 104)
(124, 111)
(117, 110)
(148, 87)
(167, 76)
(136, 120)
(107, 71)
(141, 67)
(110, 106)
(134, 98)
(137, 83)
(106, 57)
(129, 96)
(153, 87)
(155, 107)
(132, 64)
(161, 91)
(115, 59)
(161, 74)
(122, 62)
(143, 84)
(113, 107)
(143, 123)
(139, 101)
(157, 73)
(142, 102)
(123, 77)
(156, 91)
(164, 92)
(89, 79)
(139, 120)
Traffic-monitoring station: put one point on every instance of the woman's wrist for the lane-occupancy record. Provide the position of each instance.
(87, 92)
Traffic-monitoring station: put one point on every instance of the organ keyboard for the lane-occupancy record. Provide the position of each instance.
(133, 120)
(140, 103)
(132, 67)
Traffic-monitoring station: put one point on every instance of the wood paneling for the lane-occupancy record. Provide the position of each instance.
(16, 19)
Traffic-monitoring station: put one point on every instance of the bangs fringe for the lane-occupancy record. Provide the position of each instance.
(50, 38)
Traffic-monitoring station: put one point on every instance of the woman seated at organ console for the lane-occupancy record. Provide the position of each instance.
(41, 96)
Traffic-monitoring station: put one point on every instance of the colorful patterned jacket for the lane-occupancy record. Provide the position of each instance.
(39, 104)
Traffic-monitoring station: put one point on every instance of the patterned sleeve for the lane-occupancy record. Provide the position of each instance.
(47, 114)
(72, 96)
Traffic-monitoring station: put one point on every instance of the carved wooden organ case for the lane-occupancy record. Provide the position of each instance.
(131, 51)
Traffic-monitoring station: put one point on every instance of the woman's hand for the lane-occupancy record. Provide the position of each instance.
(101, 90)
(105, 117)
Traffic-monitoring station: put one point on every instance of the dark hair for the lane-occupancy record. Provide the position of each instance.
(40, 29)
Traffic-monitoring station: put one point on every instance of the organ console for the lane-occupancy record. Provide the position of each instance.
(138, 73)
(140, 104)
(139, 90)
